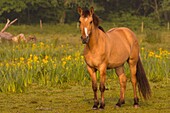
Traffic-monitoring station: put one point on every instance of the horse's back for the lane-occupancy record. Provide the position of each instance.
(122, 32)
(122, 35)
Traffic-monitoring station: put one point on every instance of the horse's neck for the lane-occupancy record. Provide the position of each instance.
(93, 42)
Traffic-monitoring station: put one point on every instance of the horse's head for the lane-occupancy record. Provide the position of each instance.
(86, 23)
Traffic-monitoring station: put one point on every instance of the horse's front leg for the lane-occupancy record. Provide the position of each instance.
(92, 73)
(102, 85)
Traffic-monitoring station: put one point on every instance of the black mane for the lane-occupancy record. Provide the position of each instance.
(101, 28)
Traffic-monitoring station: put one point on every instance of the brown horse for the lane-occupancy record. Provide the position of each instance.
(108, 50)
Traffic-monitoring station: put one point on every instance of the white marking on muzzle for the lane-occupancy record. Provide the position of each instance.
(85, 30)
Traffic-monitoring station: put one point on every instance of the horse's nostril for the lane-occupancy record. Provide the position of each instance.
(85, 40)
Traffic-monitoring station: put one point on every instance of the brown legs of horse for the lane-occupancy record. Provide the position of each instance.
(122, 81)
(92, 73)
(138, 76)
(102, 85)
(132, 65)
(132, 61)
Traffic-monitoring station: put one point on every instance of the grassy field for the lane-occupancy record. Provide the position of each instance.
(76, 98)
(50, 75)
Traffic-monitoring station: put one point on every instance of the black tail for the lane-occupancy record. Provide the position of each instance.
(143, 84)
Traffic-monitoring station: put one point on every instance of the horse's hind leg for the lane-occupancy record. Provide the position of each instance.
(132, 61)
(132, 65)
(92, 73)
(122, 80)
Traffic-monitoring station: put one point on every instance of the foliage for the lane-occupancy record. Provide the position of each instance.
(11, 6)
(156, 63)
(165, 5)
(44, 64)
(133, 22)
(64, 11)
(166, 9)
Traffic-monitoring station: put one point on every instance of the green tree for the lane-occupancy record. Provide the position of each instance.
(11, 6)
(31, 11)
(166, 9)
(61, 11)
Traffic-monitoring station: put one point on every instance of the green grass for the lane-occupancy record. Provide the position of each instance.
(75, 98)
(50, 75)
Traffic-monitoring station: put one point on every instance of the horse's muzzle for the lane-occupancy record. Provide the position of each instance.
(85, 40)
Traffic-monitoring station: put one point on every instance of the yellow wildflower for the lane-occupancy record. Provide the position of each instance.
(30, 58)
(30, 55)
(62, 59)
(165, 53)
(151, 54)
(29, 65)
(46, 57)
(54, 65)
(33, 45)
(7, 65)
(158, 56)
(63, 64)
(21, 58)
(45, 61)
(42, 44)
(68, 58)
(35, 58)
(18, 64)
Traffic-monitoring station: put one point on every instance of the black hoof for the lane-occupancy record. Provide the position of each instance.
(95, 107)
(119, 103)
(136, 105)
(117, 106)
(102, 106)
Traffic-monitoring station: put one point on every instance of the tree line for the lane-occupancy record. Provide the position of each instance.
(65, 11)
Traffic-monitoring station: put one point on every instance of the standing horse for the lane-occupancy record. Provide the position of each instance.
(108, 50)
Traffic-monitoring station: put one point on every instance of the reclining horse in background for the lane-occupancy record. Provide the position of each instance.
(108, 50)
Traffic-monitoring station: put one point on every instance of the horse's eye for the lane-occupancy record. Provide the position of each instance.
(91, 22)
(79, 22)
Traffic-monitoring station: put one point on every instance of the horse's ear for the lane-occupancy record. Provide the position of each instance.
(79, 10)
(91, 10)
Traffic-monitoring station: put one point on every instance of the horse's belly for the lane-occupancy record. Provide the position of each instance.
(117, 60)
(114, 65)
